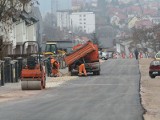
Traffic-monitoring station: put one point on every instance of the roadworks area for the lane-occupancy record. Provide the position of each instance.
(149, 90)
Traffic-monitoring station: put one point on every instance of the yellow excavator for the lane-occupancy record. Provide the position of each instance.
(52, 49)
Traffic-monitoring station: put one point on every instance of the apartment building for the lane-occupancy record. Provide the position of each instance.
(63, 19)
(82, 21)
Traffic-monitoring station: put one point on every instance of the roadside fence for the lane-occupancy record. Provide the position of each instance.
(10, 70)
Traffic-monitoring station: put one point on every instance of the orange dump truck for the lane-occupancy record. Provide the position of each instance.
(89, 53)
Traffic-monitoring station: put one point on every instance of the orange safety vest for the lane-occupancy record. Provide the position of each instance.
(54, 62)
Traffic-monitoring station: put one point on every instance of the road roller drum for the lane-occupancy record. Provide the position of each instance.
(31, 85)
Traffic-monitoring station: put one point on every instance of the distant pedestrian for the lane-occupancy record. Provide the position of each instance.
(136, 53)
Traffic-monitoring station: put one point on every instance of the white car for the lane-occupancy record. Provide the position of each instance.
(103, 55)
(157, 56)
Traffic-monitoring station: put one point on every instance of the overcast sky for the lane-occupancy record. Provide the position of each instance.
(45, 6)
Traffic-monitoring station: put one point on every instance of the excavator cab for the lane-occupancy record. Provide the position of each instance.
(51, 48)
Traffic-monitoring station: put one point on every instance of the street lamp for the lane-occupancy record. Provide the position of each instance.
(71, 34)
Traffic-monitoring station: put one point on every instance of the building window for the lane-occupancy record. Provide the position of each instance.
(84, 26)
(84, 19)
(80, 19)
(80, 15)
(80, 23)
(84, 22)
(84, 15)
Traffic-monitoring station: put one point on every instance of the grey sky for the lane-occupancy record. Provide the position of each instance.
(45, 6)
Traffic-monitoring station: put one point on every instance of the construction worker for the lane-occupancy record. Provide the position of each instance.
(49, 71)
(54, 66)
(81, 67)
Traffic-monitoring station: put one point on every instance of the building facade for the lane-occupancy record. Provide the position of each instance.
(63, 19)
(22, 28)
(82, 21)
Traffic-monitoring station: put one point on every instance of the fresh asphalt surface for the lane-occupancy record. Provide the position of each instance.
(114, 95)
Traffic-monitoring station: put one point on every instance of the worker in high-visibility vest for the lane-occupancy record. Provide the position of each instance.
(54, 66)
(81, 67)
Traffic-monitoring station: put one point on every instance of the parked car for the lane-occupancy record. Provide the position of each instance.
(154, 69)
(157, 56)
(103, 55)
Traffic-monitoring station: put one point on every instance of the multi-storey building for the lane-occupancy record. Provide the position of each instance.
(76, 21)
(63, 19)
(82, 21)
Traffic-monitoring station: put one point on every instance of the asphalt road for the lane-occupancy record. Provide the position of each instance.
(114, 95)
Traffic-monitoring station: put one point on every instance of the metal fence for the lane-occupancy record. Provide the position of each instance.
(10, 70)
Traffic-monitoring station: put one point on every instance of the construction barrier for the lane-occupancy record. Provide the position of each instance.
(115, 55)
(131, 55)
(123, 55)
(140, 55)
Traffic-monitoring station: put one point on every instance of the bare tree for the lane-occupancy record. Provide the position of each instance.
(10, 10)
(147, 38)
(49, 28)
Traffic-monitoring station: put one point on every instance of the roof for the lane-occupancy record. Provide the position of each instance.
(151, 12)
(134, 9)
(121, 16)
(143, 24)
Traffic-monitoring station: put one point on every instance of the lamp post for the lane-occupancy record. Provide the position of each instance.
(71, 37)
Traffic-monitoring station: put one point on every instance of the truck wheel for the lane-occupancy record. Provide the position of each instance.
(98, 72)
(152, 76)
(72, 74)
